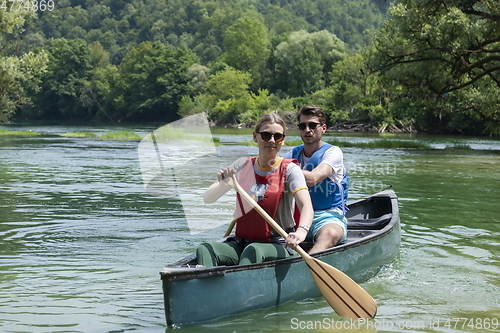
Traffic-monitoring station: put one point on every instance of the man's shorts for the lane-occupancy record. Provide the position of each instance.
(324, 217)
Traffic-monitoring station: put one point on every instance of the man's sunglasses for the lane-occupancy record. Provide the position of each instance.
(302, 126)
(266, 136)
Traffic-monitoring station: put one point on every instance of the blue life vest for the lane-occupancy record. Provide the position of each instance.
(326, 194)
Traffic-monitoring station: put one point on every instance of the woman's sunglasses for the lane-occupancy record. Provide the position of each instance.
(312, 126)
(266, 136)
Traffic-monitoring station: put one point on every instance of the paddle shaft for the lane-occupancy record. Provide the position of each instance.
(265, 215)
(230, 228)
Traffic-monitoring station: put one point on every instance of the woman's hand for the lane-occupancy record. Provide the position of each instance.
(225, 175)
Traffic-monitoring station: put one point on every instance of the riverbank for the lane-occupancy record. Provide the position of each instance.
(291, 122)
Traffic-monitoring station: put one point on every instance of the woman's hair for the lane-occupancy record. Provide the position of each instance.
(312, 110)
(270, 118)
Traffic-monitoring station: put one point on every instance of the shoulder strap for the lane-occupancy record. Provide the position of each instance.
(297, 152)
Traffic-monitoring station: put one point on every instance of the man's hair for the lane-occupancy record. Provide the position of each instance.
(270, 118)
(312, 110)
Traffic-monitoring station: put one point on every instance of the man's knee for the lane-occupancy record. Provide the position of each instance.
(332, 233)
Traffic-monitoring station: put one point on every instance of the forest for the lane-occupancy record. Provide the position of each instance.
(430, 66)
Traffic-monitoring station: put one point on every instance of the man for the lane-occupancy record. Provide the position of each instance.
(326, 177)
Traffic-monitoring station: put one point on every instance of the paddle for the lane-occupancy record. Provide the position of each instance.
(230, 228)
(344, 295)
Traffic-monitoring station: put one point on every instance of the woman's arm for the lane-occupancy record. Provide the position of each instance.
(220, 187)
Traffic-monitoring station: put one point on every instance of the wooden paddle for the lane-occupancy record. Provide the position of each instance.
(344, 295)
(230, 228)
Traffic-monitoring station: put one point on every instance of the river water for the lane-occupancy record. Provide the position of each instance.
(82, 242)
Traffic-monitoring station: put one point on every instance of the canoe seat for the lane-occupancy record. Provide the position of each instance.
(369, 224)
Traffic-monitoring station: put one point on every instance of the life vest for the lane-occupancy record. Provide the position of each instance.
(326, 194)
(250, 225)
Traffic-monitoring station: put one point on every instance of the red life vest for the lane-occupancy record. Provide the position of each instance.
(250, 225)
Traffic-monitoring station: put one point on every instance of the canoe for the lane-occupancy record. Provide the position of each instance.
(193, 295)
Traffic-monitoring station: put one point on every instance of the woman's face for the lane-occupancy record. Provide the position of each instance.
(272, 147)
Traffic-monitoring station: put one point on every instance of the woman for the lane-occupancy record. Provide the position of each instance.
(277, 184)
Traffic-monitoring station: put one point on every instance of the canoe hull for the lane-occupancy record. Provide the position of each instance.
(208, 294)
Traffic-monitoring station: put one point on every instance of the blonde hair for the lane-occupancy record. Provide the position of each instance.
(270, 118)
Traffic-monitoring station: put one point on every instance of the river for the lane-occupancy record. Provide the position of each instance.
(82, 242)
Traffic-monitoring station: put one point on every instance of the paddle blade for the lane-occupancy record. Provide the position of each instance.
(344, 295)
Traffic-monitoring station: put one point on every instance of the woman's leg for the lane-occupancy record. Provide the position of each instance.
(216, 254)
(260, 252)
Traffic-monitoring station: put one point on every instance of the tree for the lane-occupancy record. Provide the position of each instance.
(229, 92)
(227, 99)
(151, 81)
(303, 63)
(246, 46)
(438, 49)
(198, 75)
(68, 70)
(96, 92)
(18, 74)
(210, 33)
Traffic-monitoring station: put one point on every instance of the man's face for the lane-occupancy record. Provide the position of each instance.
(313, 129)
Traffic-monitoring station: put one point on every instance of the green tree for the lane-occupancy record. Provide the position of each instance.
(246, 46)
(69, 69)
(96, 93)
(151, 81)
(303, 63)
(441, 52)
(229, 92)
(228, 99)
(198, 75)
(209, 37)
(19, 75)
(359, 95)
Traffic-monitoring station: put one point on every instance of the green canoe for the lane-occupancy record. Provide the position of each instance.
(193, 295)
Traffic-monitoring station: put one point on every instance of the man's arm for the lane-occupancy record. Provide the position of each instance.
(317, 174)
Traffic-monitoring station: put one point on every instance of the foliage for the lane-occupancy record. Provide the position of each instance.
(79, 135)
(227, 98)
(229, 95)
(201, 24)
(96, 71)
(68, 70)
(246, 46)
(5, 132)
(18, 74)
(122, 135)
(197, 76)
(151, 81)
(433, 67)
(302, 63)
(442, 53)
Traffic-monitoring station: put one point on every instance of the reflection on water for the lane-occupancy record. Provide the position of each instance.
(81, 242)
